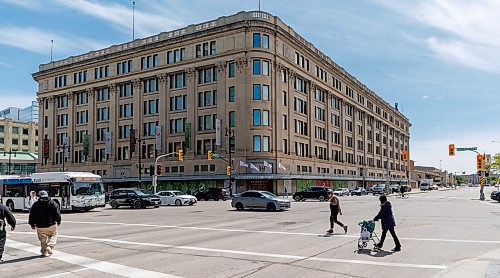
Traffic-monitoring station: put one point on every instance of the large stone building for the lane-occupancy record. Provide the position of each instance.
(298, 118)
(18, 147)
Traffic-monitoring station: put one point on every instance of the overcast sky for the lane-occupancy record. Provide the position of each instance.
(439, 59)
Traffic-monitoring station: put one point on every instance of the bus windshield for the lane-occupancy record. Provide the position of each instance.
(87, 188)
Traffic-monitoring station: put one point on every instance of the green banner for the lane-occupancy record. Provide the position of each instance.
(86, 143)
(466, 149)
(187, 135)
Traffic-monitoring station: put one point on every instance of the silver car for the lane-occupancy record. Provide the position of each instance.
(260, 200)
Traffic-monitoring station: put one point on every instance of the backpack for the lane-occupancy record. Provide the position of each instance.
(2, 219)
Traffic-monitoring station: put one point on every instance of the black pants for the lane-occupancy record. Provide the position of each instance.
(394, 236)
(333, 219)
(3, 237)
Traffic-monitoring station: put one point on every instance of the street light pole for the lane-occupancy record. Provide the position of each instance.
(63, 147)
(10, 152)
(230, 135)
(155, 176)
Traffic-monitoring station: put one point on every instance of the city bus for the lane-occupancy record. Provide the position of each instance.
(71, 190)
(13, 192)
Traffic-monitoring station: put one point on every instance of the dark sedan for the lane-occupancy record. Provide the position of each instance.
(359, 191)
(495, 195)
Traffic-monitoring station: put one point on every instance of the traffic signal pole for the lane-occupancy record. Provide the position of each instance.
(155, 176)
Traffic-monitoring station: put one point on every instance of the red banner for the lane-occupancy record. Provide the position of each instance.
(132, 140)
(46, 148)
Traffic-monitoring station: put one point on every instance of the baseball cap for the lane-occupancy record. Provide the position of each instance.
(43, 194)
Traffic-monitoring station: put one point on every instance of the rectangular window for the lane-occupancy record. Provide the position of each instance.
(232, 119)
(213, 49)
(231, 94)
(265, 67)
(265, 92)
(256, 40)
(231, 70)
(265, 144)
(265, 41)
(256, 117)
(256, 92)
(256, 67)
(285, 98)
(265, 117)
(284, 121)
(256, 143)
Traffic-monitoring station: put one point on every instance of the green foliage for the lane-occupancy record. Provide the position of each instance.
(495, 164)
(460, 179)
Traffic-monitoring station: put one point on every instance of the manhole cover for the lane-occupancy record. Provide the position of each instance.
(286, 223)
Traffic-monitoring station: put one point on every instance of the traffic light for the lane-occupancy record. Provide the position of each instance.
(181, 154)
(159, 170)
(228, 170)
(487, 174)
(480, 162)
(405, 155)
(209, 157)
(451, 150)
(151, 170)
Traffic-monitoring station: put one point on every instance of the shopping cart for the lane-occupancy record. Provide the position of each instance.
(367, 234)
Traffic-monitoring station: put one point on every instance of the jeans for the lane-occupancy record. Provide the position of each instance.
(333, 219)
(3, 237)
(394, 236)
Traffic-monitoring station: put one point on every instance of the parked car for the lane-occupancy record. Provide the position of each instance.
(434, 187)
(177, 198)
(378, 189)
(394, 188)
(495, 195)
(359, 191)
(214, 193)
(341, 192)
(315, 192)
(254, 199)
(135, 198)
(369, 189)
(407, 187)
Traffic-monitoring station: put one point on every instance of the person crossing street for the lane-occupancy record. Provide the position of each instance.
(45, 217)
(5, 214)
(335, 210)
(388, 223)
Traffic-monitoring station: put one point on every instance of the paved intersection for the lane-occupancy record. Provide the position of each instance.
(446, 233)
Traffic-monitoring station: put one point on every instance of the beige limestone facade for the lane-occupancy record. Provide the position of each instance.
(299, 119)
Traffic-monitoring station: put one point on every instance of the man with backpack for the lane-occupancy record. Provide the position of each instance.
(5, 214)
(45, 217)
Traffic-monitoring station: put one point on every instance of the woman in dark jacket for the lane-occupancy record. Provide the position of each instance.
(388, 223)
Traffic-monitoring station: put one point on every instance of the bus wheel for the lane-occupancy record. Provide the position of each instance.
(10, 205)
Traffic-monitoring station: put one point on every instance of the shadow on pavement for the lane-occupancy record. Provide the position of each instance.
(21, 259)
(377, 254)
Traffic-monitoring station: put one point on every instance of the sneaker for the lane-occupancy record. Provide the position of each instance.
(345, 229)
(330, 231)
(379, 245)
(396, 249)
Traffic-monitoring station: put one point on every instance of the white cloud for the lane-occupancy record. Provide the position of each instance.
(38, 41)
(27, 4)
(425, 97)
(468, 30)
(146, 23)
(16, 99)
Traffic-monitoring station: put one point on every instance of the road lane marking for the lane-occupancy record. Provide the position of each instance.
(65, 273)
(102, 266)
(248, 253)
(274, 232)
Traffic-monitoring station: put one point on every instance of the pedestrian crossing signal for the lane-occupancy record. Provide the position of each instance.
(181, 154)
(228, 170)
(209, 157)
(480, 162)
(451, 150)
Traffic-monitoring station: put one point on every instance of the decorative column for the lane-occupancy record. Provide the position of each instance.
(91, 124)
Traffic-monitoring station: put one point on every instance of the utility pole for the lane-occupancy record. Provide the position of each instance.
(64, 147)
(155, 176)
(230, 135)
(10, 152)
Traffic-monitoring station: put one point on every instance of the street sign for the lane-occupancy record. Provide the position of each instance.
(466, 149)
(215, 155)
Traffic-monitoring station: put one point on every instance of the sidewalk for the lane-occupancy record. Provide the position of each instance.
(486, 265)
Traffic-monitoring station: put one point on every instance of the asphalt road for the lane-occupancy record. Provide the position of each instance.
(445, 234)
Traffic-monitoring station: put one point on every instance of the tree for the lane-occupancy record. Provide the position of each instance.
(460, 179)
(495, 164)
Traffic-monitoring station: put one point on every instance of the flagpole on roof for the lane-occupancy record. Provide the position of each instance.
(51, 49)
(133, 20)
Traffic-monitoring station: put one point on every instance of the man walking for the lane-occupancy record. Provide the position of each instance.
(44, 216)
(388, 223)
(5, 214)
(334, 211)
